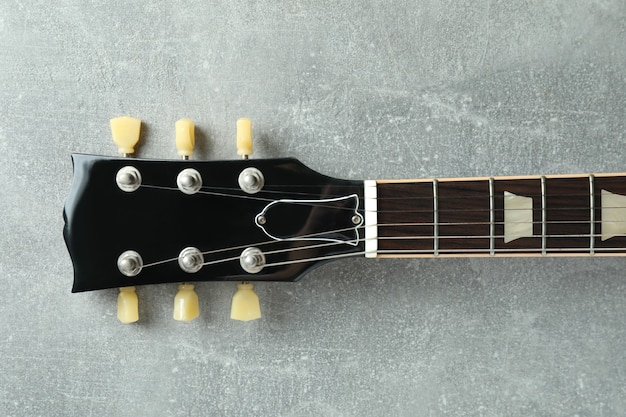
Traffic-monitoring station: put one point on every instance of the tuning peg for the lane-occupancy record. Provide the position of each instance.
(244, 137)
(186, 303)
(185, 137)
(245, 305)
(125, 131)
(127, 305)
(186, 306)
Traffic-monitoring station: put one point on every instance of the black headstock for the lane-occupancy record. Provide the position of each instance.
(298, 219)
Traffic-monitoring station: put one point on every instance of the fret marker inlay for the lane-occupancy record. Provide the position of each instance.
(518, 216)
(613, 214)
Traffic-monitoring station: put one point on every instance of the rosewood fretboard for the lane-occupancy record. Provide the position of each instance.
(467, 217)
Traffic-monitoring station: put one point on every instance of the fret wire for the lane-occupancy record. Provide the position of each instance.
(543, 215)
(381, 199)
(491, 217)
(435, 218)
(444, 251)
(592, 215)
(269, 191)
(385, 251)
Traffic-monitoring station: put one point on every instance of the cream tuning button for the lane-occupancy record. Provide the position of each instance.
(125, 132)
(185, 137)
(186, 305)
(244, 137)
(189, 181)
(245, 305)
(127, 305)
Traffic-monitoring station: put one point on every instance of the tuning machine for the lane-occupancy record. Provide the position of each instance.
(189, 181)
(245, 304)
(125, 131)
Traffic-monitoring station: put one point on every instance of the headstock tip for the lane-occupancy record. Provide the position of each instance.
(125, 132)
(245, 305)
(186, 305)
(127, 305)
(185, 137)
(244, 137)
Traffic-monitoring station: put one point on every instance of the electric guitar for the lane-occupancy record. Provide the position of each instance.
(131, 222)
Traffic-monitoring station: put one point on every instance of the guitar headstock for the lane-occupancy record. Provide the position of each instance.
(132, 222)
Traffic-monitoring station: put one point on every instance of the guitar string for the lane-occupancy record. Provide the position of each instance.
(406, 211)
(312, 236)
(276, 251)
(352, 187)
(333, 243)
(411, 251)
(379, 225)
(442, 251)
(426, 237)
(308, 203)
(249, 197)
(207, 190)
(496, 223)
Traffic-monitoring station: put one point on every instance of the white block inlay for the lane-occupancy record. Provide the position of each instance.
(518, 216)
(613, 214)
(371, 218)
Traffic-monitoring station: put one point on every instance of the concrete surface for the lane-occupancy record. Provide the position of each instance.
(355, 89)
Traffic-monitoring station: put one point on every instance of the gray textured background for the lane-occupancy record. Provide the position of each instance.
(355, 89)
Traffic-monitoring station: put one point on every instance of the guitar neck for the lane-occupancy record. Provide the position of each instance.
(552, 215)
